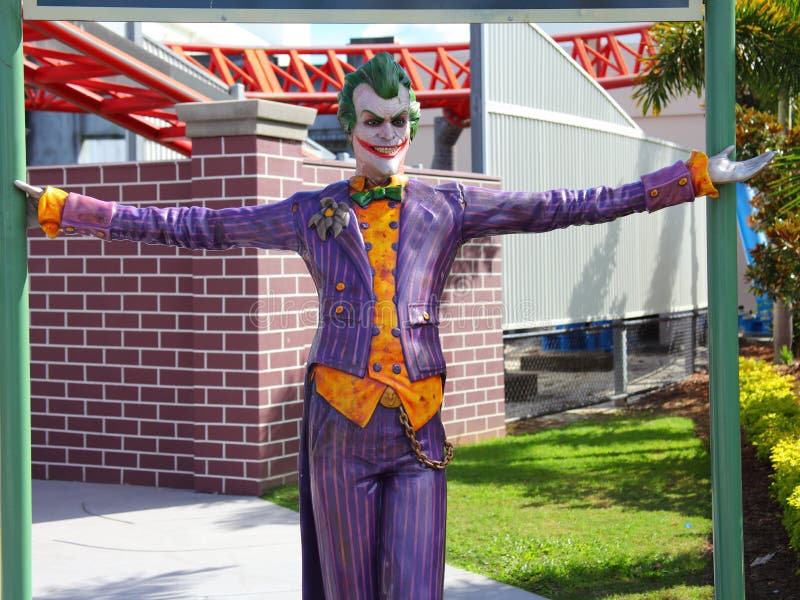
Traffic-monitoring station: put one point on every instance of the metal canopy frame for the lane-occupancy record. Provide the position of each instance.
(364, 11)
(15, 461)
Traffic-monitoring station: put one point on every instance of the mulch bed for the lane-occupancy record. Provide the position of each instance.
(764, 534)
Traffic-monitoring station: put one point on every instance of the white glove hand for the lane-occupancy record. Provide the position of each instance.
(723, 170)
(32, 205)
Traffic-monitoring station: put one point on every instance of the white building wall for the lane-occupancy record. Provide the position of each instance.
(549, 126)
(683, 121)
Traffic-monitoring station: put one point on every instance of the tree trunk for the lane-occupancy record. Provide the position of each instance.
(781, 329)
(781, 313)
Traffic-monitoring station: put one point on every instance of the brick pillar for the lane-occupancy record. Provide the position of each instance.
(254, 311)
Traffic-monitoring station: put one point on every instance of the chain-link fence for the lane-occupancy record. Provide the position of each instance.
(570, 366)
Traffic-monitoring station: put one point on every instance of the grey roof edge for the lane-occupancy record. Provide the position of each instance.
(176, 67)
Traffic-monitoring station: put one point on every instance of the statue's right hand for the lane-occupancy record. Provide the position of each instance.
(32, 205)
(32, 190)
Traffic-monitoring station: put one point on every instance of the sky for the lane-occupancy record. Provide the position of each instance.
(332, 35)
(423, 33)
(335, 35)
(317, 35)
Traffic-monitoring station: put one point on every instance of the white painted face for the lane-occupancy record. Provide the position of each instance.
(381, 134)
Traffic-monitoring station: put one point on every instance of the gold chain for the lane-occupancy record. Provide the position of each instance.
(417, 447)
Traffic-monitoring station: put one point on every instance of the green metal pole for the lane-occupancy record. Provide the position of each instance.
(15, 425)
(726, 461)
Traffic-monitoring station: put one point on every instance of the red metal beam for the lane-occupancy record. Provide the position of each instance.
(606, 55)
(313, 76)
(86, 78)
(88, 101)
(117, 61)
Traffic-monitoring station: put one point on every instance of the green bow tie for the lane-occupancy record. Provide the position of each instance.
(392, 192)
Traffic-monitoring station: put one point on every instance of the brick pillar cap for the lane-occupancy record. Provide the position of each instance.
(246, 117)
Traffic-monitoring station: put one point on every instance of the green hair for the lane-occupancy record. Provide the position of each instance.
(383, 75)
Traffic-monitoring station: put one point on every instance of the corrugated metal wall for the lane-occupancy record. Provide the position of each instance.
(549, 126)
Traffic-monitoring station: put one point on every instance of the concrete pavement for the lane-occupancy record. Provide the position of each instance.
(112, 542)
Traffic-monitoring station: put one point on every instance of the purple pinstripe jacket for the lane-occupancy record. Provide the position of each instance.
(434, 223)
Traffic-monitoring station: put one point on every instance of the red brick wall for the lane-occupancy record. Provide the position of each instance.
(159, 366)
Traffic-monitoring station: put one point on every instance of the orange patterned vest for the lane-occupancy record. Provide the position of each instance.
(354, 397)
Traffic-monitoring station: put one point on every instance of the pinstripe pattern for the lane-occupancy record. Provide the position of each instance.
(379, 514)
(262, 226)
(490, 213)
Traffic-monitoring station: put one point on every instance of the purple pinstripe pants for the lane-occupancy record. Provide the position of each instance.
(379, 514)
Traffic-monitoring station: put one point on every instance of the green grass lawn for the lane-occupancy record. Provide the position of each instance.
(604, 509)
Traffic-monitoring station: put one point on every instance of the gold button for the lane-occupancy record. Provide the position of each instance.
(339, 287)
(426, 316)
(69, 229)
(294, 207)
(683, 181)
(653, 193)
(101, 234)
(339, 310)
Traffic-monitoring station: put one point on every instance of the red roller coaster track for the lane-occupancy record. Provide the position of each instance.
(85, 77)
(616, 57)
(313, 76)
(82, 73)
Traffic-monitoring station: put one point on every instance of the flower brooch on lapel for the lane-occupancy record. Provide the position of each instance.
(332, 218)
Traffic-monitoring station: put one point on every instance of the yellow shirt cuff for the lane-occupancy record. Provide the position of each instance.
(51, 205)
(698, 167)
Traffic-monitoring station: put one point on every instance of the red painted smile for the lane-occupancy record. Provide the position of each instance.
(383, 151)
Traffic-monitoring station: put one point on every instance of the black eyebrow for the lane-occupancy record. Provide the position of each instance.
(366, 110)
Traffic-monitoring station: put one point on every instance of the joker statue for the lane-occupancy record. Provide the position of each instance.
(379, 247)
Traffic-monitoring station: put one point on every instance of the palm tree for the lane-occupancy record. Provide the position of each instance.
(767, 57)
(787, 187)
(791, 5)
(767, 76)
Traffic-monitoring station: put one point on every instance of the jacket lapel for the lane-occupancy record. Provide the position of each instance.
(416, 219)
(351, 241)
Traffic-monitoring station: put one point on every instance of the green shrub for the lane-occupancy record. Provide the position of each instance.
(791, 518)
(771, 421)
(787, 357)
(785, 459)
(771, 429)
(763, 391)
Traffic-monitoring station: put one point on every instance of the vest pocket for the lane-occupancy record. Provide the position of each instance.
(423, 313)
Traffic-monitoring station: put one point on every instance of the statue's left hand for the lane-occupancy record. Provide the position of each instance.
(723, 170)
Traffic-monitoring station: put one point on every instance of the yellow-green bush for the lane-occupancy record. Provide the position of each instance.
(772, 429)
(785, 459)
(763, 391)
(771, 421)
